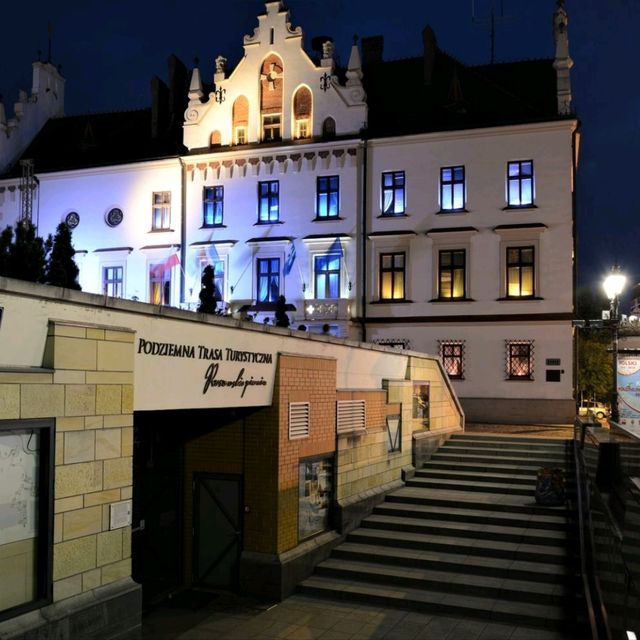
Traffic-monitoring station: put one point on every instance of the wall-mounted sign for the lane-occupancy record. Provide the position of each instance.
(629, 390)
(553, 362)
(230, 369)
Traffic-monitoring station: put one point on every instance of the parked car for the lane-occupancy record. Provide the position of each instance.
(599, 409)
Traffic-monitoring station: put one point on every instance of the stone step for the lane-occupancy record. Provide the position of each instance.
(472, 516)
(552, 573)
(474, 486)
(477, 500)
(444, 581)
(517, 535)
(508, 439)
(557, 449)
(469, 547)
(538, 615)
(489, 475)
(489, 456)
(453, 465)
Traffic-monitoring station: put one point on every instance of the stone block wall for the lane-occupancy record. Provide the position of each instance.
(86, 386)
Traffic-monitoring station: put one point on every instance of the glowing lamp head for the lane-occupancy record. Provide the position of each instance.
(614, 283)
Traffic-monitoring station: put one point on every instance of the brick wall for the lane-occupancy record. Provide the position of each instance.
(89, 392)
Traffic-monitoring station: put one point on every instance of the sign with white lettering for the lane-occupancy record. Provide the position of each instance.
(629, 390)
(230, 370)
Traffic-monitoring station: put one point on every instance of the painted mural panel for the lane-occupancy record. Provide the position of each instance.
(629, 390)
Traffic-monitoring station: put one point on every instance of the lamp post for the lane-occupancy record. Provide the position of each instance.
(613, 286)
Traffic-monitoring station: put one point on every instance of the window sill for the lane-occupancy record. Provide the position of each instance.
(327, 218)
(266, 224)
(391, 301)
(518, 207)
(449, 212)
(456, 377)
(213, 226)
(452, 300)
(519, 299)
(160, 230)
(520, 379)
(393, 215)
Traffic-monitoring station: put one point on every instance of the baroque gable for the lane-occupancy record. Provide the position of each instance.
(276, 92)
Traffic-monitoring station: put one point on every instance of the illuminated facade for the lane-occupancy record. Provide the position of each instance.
(436, 217)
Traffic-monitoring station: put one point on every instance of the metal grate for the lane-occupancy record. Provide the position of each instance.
(351, 416)
(519, 359)
(452, 355)
(298, 420)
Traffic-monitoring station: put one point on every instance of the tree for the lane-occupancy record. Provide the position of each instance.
(595, 372)
(6, 238)
(209, 294)
(27, 254)
(282, 319)
(61, 269)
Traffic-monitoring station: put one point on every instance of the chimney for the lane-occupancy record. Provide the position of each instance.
(372, 48)
(430, 46)
(159, 107)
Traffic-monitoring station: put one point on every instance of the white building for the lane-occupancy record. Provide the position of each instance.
(419, 203)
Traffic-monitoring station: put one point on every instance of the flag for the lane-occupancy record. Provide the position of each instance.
(291, 258)
(336, 247)
(166, 265)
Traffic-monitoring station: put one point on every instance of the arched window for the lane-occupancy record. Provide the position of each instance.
(216, 139)
(271, 74)
(302, 112)
(240, 120)
(329, 128)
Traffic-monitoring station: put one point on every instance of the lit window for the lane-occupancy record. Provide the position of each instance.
(271, 128)
(520, 272)
(268, 201)
(241, 135)
(327, 276)
(421, 402)
(452, 189)
(26, 453)
(520, 183)
(451, 274)
(159, 284)
(452, 357)
(302, 129)
(393, 193)
(218, 275)
(212, 206)
(327, 196)
(112, 281)
(268, 277)
(519, 359)
(392, 276)
(161, 216)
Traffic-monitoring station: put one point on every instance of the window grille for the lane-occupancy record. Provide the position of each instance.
(519, 359)
(351, 416)
(298, 420)
(452, 356)
(398, 343)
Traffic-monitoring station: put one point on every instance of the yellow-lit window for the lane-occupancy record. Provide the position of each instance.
(452, 274)
(392, 276)
(241, 135)
(520, 272)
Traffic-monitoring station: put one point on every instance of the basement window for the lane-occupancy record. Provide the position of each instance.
(315, 496)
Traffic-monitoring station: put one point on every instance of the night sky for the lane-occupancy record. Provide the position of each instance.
(109, 52)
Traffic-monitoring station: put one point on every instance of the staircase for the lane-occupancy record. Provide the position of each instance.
(464, 537)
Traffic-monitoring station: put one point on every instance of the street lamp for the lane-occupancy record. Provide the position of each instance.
(613, 286)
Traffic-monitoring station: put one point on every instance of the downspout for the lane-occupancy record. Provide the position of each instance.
(183, 227)
(363, 283)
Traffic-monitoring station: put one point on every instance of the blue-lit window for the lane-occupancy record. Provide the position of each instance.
(268, 272)
(520, 183)
(393, 193)
(212, 206)
(452, 189)
(327, 275)
(113, 281)
(268, 201)
(328, 196)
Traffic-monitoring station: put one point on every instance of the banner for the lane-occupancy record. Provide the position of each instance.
(629, 390)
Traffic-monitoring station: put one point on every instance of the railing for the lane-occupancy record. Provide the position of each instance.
(608, 494)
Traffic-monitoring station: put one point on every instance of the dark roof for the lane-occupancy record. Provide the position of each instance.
(98, 139)
(457, 96)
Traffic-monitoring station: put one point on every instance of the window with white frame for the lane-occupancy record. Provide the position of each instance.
(519, 359)
(520, 269)
(268, 279)
(452, 189)
(452, 357)
(240, 135)
(113, 281)
(159, 284)
(161, 211)
(452, 274)
(268, 201)
(520, 185)
(393, 193)
(392, 275)
(271, 128)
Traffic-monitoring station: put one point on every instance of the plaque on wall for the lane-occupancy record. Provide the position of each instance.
(72, 219)
(114, 217)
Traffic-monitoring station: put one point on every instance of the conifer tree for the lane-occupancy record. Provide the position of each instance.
(61, 269)
(27, 254)
(6, 238)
